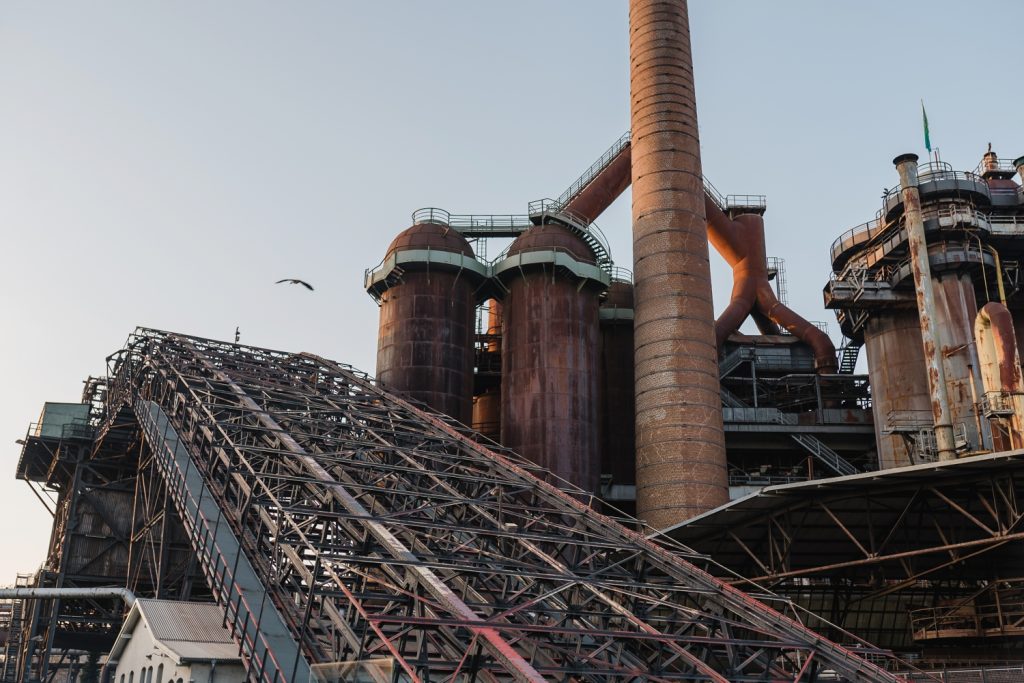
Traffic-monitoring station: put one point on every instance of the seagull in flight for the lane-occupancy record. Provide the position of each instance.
(294, 281)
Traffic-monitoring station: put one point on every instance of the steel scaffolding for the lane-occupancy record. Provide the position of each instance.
(335, 522)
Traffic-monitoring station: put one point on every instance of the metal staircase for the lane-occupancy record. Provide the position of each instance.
(337, 523)
(848, 355)
(15, 631)
(735, 359)
(818, 449)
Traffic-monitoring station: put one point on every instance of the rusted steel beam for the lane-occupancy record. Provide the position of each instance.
(994, 542)
(931, 335)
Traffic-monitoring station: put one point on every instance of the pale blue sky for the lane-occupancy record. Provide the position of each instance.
(162, 164)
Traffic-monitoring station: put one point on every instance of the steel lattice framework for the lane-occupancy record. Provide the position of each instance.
(379, 531)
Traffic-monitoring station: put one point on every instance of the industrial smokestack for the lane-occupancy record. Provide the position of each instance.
(931, 334)
(680, 444)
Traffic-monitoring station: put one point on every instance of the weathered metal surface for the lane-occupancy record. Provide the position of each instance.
(741, 242)
(899, 384)
(931, 335)
(999, 363)
(549, 361)
(425, 342)
(954, 313)
(487, 401)
(376, 527)
(1019, 164)
(617, 436)
(487, 413)
(680, 443)
(604, 189)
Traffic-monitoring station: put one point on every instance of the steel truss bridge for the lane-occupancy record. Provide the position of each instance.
(335, 522)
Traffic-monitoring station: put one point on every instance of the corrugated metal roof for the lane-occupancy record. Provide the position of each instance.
(194, 622)
(190, 630)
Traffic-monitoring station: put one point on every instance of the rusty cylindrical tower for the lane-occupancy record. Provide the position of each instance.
(680, 443)
(425, 287)
(549, 352)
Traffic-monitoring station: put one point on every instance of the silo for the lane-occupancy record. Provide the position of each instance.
(425, 287)
(549, 352)
(616, 433)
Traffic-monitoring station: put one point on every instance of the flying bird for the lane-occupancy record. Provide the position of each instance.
(294, 281)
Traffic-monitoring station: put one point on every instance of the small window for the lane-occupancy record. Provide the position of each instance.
(122, 678)
(149, 675)
(159, 674)
(131, 677)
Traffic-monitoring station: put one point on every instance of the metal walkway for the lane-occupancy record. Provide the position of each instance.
(374, 531)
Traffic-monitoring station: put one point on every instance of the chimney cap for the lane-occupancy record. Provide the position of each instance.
(1018, 162)
(904, 158)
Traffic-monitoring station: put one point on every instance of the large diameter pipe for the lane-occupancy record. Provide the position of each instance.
(680, 444)
(599, 194)
(1019, 164)
(68, 593)
(931, 335)
(1000, 366)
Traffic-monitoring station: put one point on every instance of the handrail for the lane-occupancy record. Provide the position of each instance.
(717, 197)
(933, 171)
(620, 274)
(998, 165)
(595, 169)
(865, 232)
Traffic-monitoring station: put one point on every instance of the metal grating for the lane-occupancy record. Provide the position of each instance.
(379, 530)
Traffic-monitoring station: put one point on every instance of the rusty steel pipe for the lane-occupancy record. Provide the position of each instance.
(680, 444)
(1000, 364)
(931, 335)
(741, 243)
(600, 192)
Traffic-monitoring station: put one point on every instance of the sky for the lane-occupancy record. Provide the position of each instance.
(163, 163)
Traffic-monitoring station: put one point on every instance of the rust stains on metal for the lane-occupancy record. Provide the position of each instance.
(680, 444)
(549, 359)
(954, 313)
(931, 335)
(741, 243)
(1002, 379)
(604, 189)
(425, 342)
(899, 384)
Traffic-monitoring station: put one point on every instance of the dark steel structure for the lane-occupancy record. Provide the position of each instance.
(616, 436)
(336, 522)
(924, 559)
(969, 251)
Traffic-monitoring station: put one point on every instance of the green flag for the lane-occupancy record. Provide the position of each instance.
(927, 137)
